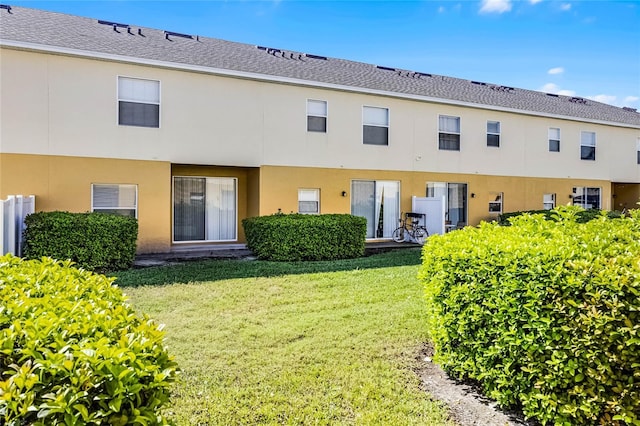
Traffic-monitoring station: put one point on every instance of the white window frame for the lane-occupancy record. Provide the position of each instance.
(119, 185)
(489, 133)
(325, 116)
(551, 138)
(496, 204)
(173, 183)
(392, 220)
(316, 199)
(123, 99)
(584, 190)
(371, 124)
(589, 144)
(548, 201)
(447, 132)
(638, 151)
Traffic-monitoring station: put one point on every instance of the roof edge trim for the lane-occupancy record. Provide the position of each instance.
(286, 80)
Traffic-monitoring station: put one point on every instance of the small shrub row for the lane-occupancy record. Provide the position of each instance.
(94, 241)
(291, 237)
(544, 314)
(72, 352)
(581, 216)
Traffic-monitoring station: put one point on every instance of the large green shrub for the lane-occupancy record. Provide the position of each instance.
(290, 237)
(72, 352)
(581, 215)
(545, 315)
(95, 241)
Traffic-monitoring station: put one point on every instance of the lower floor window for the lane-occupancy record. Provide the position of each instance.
(496, 202)
(585, 197)
(309, 201)
(115, 198)
(378, 201)
(548, 201)
(204, 209)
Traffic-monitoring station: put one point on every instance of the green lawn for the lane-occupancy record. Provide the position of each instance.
(282, 345)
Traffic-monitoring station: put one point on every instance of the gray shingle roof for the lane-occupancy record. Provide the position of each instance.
(24, 25)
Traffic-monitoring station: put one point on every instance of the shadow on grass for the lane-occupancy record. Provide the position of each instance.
(213, 270)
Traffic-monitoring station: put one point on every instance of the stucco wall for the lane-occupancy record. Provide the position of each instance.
(64, 183)
(519, 193)
(60, 105)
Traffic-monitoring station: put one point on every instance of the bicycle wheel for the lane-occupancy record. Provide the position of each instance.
(420, 234)
(398, 235)
(425, 230)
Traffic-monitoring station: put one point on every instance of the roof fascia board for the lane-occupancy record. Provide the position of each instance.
(287, 80)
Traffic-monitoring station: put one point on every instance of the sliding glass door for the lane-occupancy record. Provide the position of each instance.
(379, 202)
(204, 209)
(455, 199)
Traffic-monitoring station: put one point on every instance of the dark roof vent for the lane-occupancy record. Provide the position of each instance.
(309, 55)
(502, 88)
(577, 100)
(412, 74)
(5, 6)
(479, 83)
(380, 67)
(553, 95)
(629, 109)
(269, 50)
(168, 34)
(115, 25)
(281, 53)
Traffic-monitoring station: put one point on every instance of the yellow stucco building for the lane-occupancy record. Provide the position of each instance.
(192, 134)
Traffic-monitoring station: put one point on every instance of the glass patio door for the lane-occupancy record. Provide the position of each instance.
(204, 209)
(378, 202)
(455, 199)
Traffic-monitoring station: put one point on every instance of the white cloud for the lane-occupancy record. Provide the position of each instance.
(631, 99)
(495, 6)
(565, 6)
(554, 71)
(534, 1)
(553, 88)
(605, 99)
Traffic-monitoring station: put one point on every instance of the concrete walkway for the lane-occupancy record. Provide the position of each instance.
(236, 251)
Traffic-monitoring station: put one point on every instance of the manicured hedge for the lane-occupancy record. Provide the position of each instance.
(72, 352)
(582, 216)
(94, 241)
(291, 237)
(544, 314)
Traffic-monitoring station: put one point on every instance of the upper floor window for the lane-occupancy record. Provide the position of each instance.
(449, 133)
(638, 150)
(587, 145)
(493, 133)
(115, 198)
(138, 102)
(316, 116)
(375, 126)
(554, 139)
(309, 201)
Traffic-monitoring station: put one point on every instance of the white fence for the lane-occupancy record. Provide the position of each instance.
(13, 210)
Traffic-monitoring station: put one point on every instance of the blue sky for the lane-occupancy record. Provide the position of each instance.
(583, 48)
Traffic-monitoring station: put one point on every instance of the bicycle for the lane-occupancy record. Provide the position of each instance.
(410, 226)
